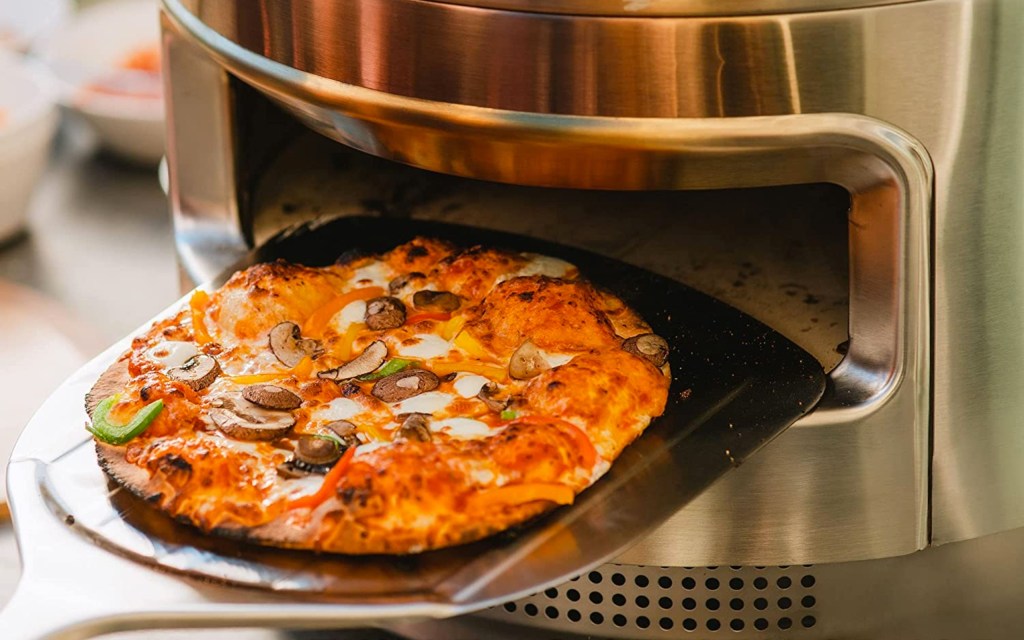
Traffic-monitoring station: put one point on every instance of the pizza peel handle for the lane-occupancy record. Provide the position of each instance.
(97, 560)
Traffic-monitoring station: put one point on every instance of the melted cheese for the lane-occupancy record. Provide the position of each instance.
(172, 353)
(556, 359)
(463, 428)
(337, 409)
(542, 266)
(429, 402)
(354, 311)
(469, 385)
(374, 274)
(426, 346)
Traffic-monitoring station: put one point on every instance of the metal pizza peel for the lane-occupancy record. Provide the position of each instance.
(98, 560)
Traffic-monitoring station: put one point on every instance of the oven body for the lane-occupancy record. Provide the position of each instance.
(683, 135)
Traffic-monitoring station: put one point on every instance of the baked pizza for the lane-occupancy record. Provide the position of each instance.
(426, 397)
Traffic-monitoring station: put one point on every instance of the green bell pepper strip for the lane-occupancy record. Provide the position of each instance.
(509, 414)
(112, 433)
(391, 366)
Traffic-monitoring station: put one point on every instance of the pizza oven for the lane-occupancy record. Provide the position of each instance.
(846, 171)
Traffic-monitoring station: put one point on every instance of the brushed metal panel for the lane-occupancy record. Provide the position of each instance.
(675, 8)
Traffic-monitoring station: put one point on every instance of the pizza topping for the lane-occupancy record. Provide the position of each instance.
(463, 428)
(384, 312)
(391, 366)
(527, 362)
(437, 300)
(432, 315)
(521, 493)
(430, 402)
(470, 385)
(318, 321)
(198, 304)
(648, 346)
(345, 432)
(243, 420)
(404, 384)
(400, 285)
(271, 396)
(198, 372)
(424, 346)
(415, 427)
(368, 361)
(173, 353)
(118, 434)
(317, 450)
(487, 395)
(288, 345)
(329, 486)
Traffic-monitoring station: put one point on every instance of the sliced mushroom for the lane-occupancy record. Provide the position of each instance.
(404, 384)
(346, 432)
(649, 346)
(527, 362)
(290, 347)
(317, 450)
(440, 300)
(368, 361)
(240, 419)
(415, 427)
(384, 312)
(198, 372)
(398, 286)
(487, 396)
(271, 396)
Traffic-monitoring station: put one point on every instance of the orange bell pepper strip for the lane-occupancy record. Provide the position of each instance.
(344, 347)
(302, 370)
(584, 446)
(199, 302)
(514, 494)
(434, 315)
(453, 327)
(485, 370)
(315, 324)
(329, 486)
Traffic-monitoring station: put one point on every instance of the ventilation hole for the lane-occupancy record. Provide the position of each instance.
(711, 568)
(689, 583)
(618, 579)
(510, 607)
(807, 581)
(711, 583)
(596, 597)
(551, 593)
(576, 579)
(596, 617)
(641, 581)
(736, 584)
(594, 577)
(665, 603)
(759, 568)
(736, 624)
(642, 602)
(665, 623)
(808, 621)
(689, 604)
(643, 622)
(784, 582)
(573, 615)
(530, 609)
(619, 600)
(573, 595)
(760, 583)
(689, 624)
(736, 604)
(783, 566)
(619, 620)
(712, 603)
(714, 624)
(551, 612)
(761, 604)
(785, 603)
(808, 602)
(735, 567)
(785, 623)
(665, 582)
(760, 624)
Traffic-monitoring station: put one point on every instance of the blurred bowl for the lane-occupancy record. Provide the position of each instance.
(106, 60)
(28, 120)
(22, 22)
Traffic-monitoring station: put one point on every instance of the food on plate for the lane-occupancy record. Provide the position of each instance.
(422, 398)
(136, 74)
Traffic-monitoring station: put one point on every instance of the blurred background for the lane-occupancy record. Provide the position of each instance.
(86, 253)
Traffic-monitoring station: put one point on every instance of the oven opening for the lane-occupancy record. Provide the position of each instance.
(779, 254)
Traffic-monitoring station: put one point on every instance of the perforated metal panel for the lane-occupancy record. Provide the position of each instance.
(671, 602)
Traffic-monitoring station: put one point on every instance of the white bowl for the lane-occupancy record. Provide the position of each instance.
(29, 120)
(22, 22)
(87, 55)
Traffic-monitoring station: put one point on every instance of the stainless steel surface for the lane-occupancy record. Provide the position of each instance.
(676, 8)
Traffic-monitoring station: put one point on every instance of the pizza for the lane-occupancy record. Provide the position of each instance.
(425, 397)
